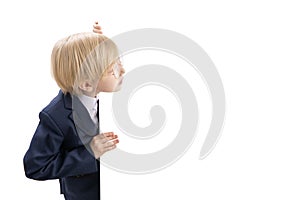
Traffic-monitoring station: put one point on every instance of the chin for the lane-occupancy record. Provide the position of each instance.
(117, 89)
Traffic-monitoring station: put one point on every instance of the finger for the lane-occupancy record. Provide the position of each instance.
(111, 137)
(105, 135)
(111, 143)
(107, 139)
(108, 134)
(97, 31)
(115, 136)
(95, 26)
(102, 136)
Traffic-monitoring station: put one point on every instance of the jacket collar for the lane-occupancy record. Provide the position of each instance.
(67, 100)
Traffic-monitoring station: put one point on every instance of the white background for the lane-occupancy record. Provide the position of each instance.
(255, 47)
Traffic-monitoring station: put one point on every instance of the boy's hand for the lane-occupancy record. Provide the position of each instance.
(97, 28)
(102, 143)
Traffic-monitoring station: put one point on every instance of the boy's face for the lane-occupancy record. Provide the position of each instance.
(112, 79)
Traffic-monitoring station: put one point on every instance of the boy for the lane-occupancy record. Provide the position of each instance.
(67, 143)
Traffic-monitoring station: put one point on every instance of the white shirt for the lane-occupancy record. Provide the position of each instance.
(90, 103)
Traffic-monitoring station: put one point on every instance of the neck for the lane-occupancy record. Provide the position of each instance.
(89, 94)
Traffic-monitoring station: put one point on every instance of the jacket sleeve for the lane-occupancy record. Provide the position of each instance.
(46, 159)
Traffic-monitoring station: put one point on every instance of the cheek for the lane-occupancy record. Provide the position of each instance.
(107, 85)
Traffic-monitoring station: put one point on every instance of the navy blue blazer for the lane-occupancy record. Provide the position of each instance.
(60, 150)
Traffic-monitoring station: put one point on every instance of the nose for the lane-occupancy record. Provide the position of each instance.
(122, 70)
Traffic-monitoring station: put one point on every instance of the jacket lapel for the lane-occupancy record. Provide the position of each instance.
(86, 129)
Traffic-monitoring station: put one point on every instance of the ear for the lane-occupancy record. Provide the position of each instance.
(86, 86)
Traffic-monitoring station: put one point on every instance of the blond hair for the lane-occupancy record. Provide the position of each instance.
(81, 57)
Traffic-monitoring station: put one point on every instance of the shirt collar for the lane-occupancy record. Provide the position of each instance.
(89, 103)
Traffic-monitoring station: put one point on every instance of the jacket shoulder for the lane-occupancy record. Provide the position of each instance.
(59, 105)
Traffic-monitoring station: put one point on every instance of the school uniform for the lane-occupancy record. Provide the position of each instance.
(60, 149)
